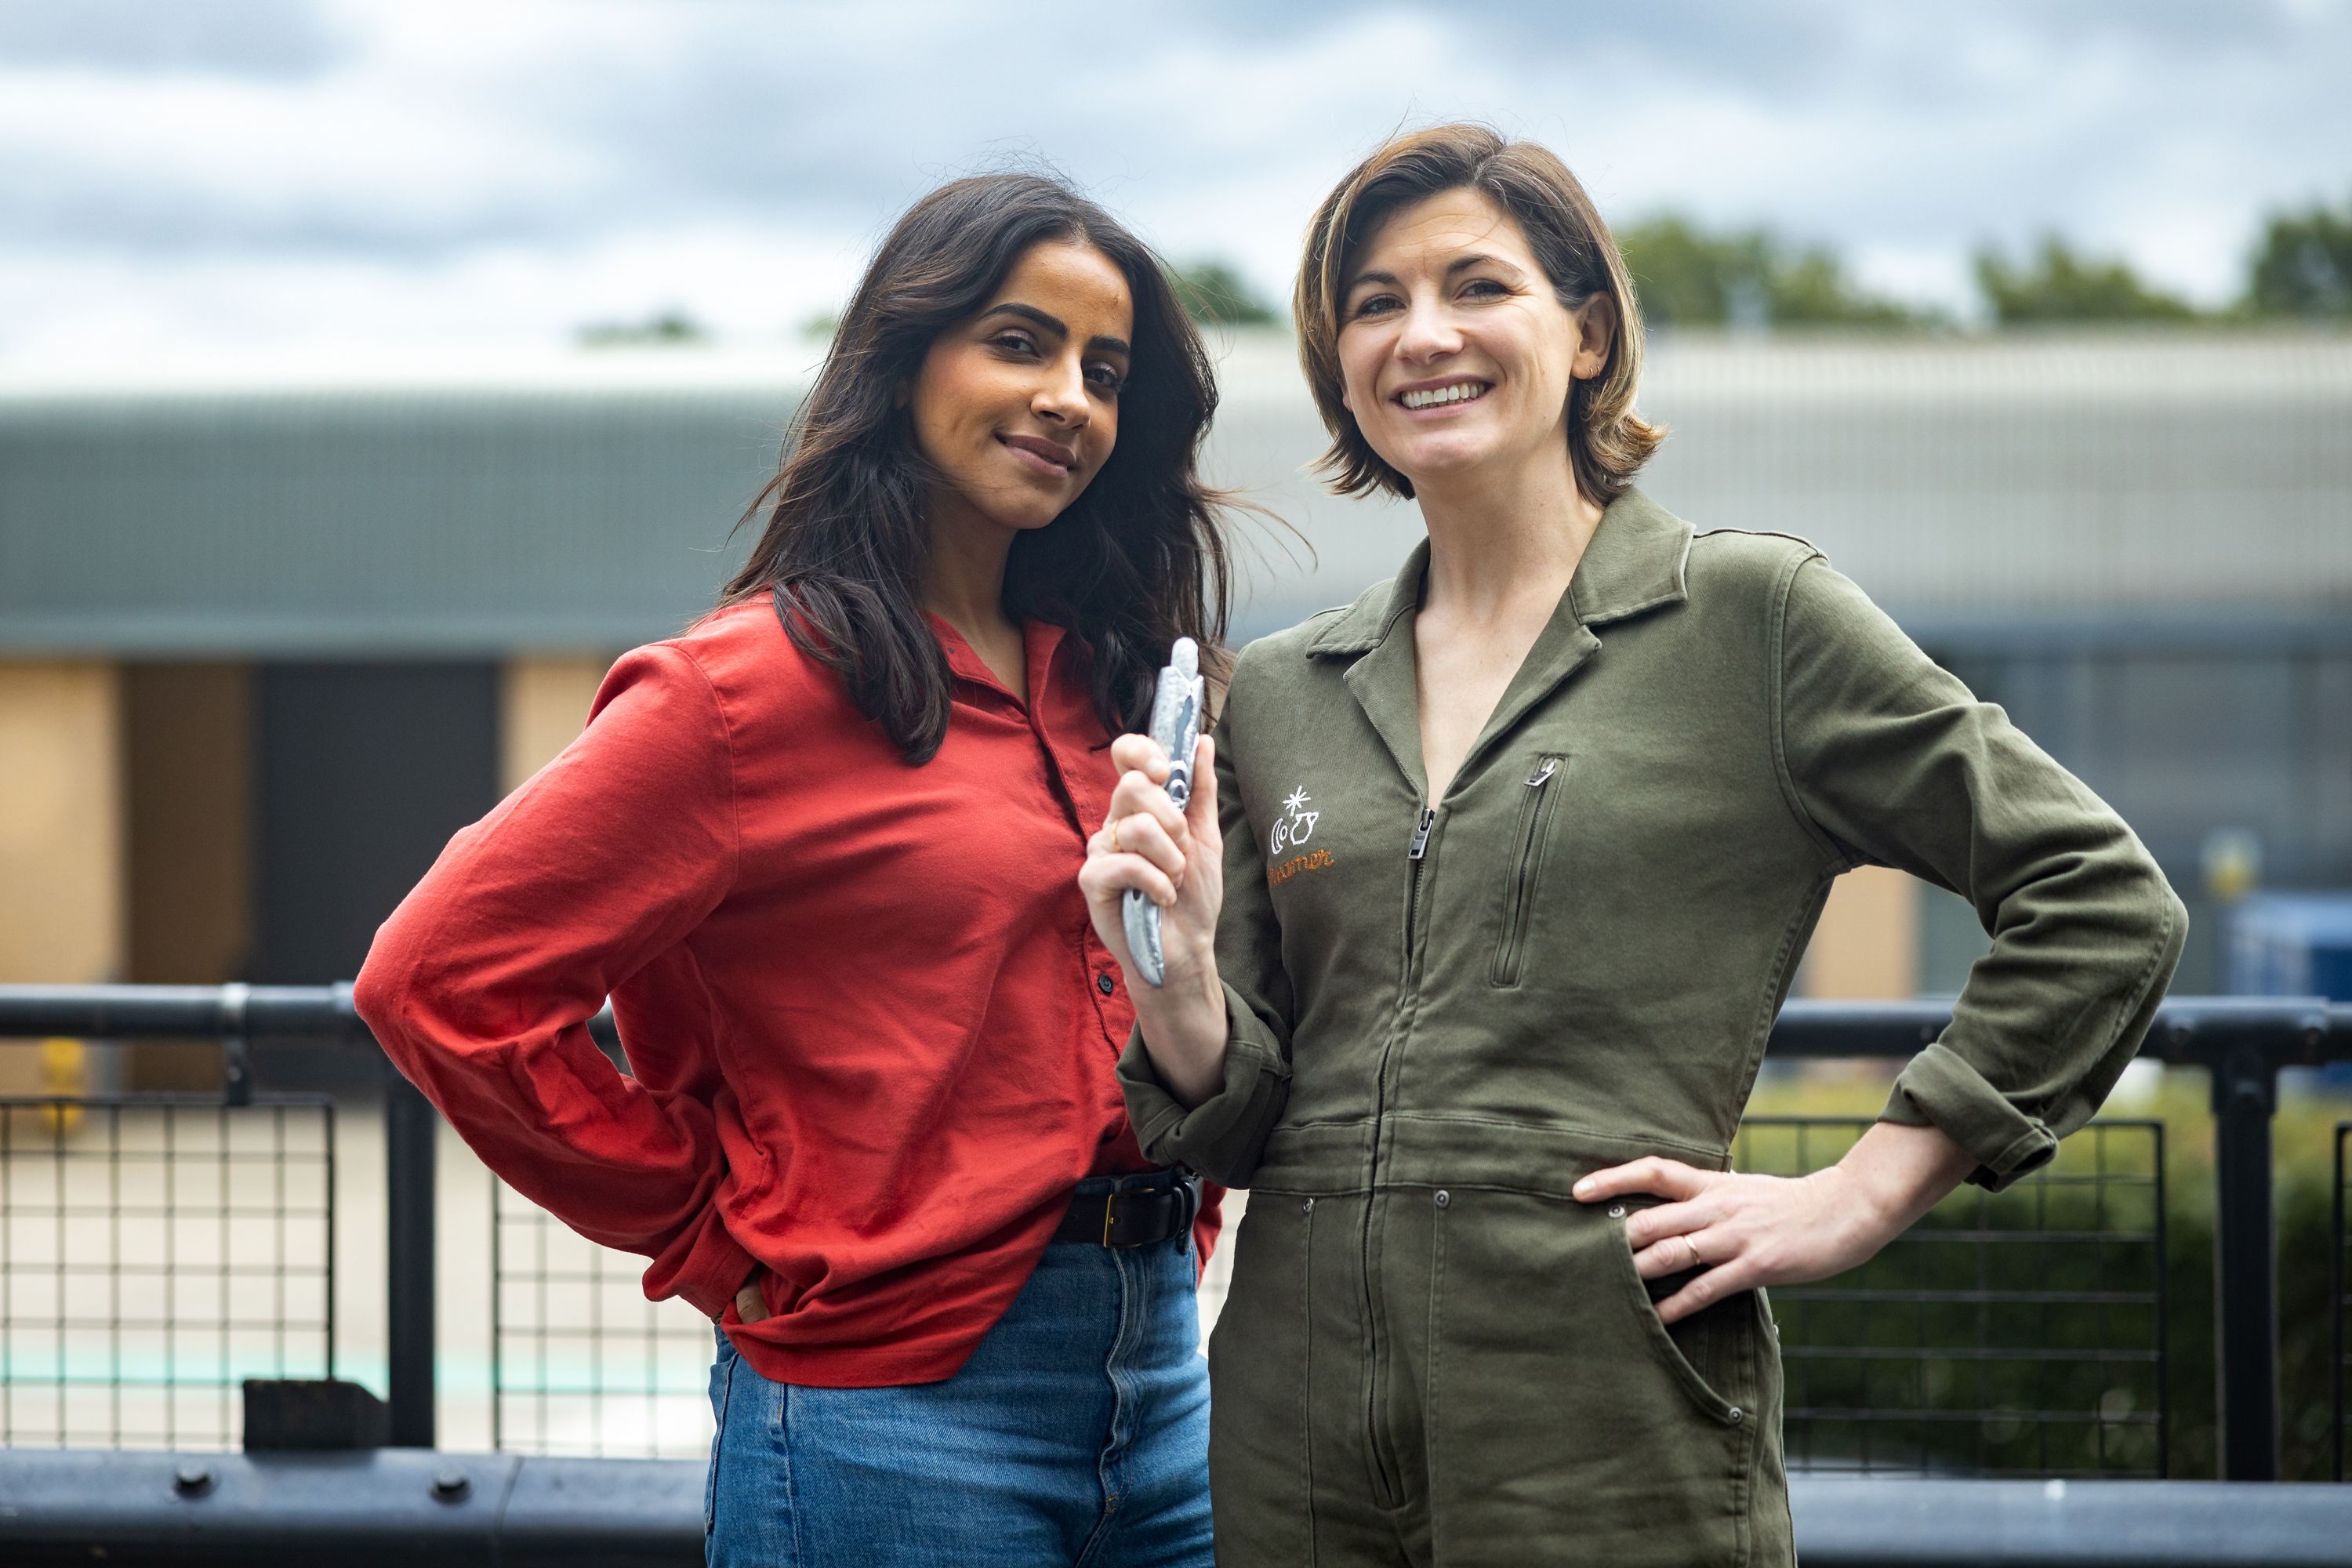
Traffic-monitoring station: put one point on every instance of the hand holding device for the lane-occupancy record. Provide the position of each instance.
(1176, 726)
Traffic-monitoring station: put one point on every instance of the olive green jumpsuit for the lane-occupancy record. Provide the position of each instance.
(1443, 1013)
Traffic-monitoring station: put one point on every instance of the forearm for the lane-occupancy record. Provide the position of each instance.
(1897, 1173)
(1185, 1031)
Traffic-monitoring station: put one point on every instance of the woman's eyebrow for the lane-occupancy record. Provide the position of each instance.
(1100, 343)
(1459, 264)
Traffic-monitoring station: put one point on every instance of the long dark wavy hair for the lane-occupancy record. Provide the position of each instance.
(1138, 559)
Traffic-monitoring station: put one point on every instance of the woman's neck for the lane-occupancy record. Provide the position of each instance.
(1500, 538)
(963, 584)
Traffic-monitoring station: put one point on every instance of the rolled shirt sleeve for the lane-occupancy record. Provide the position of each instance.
(1224, 1137)
(1892, 761)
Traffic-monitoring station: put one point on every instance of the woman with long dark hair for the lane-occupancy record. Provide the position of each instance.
(1475, 932)
(818, 851)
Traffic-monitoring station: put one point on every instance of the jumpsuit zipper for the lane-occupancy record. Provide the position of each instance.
(1519, 893)
(1421, 829)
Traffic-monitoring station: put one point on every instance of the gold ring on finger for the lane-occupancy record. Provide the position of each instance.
(1697, 1262)
(1116, 822)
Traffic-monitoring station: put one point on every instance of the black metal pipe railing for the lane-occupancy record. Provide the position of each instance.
(2242, 1042)
(393, 1506)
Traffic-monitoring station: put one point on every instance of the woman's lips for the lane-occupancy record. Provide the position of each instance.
(1427, 398)
(1046, 456)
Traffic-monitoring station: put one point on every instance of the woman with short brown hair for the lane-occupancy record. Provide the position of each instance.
(1475, 933)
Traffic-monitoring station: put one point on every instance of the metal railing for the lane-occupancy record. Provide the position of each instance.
(581, 1364)
(160, 1249)
(2339, 1299)
(2019, 1333)
(402, 1507)
(2244, 1044)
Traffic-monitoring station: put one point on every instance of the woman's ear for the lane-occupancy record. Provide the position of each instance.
(1596, 326)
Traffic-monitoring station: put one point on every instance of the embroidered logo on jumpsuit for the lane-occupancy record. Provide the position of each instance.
(1293, 829)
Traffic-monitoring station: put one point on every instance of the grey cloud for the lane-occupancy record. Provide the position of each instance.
(234, 37)
(825, 124)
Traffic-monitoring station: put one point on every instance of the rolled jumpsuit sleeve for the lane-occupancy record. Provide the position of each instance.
(480, 985)
(1893, 761)
(1224, 1137)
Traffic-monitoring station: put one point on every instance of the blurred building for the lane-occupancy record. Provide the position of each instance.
(265, 644)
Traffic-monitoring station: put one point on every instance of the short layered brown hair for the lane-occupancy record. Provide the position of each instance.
(1607, 441)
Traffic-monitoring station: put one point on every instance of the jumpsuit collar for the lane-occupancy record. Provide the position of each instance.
(1637, 561)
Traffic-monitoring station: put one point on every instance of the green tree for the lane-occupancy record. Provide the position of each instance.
(1216, 294)
(2303, 265)
(2060, 284)
(1688, 276)
(664, 329)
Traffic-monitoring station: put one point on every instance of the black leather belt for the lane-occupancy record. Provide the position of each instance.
(1132, 1211)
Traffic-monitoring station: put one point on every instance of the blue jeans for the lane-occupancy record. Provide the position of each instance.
(1076, 1434)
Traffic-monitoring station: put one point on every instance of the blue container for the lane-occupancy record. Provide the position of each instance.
(2291, 944)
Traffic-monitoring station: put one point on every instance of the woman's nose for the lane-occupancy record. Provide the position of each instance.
(1061, 397)
(1428, 333)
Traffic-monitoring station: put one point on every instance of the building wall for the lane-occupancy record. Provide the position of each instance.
(187, 787)
(61, 844)
(2141, 546)
(543, 701)
(593, 503)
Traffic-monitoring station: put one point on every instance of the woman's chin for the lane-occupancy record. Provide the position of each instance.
(1441, 459)
(1019, 508)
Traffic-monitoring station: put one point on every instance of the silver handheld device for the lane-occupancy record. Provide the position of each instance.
(1176, 725)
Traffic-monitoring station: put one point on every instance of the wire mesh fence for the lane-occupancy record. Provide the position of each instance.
(154, 1252)
(159, 1251)
(2017, 1334)
(581, 1364)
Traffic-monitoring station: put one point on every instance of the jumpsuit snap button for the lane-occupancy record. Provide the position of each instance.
(1308, 1207)
(1738, 1416)
(1443, 1197)
(1616, 1211)
(1104, 984)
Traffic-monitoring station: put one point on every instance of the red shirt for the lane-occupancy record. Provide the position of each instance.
(871, 1028)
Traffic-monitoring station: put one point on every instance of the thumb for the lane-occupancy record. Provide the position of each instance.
(1200, 811)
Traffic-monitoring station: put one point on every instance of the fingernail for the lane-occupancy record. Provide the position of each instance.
(1584, 1187)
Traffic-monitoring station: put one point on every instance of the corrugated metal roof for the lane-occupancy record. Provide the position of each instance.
(586, 501)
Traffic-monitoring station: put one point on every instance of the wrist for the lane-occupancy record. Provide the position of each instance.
(1192, 1032)
(1896, 1173)
(1871, 1211)
(1185, 1031)
(1190, 1002)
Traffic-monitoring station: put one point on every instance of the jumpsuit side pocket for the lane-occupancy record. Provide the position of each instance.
(1709, 1345)
(1543, 786)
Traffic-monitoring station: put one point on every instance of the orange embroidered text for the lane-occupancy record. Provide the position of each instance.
(1278, 874)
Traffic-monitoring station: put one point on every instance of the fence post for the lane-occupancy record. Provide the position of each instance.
(2245, 1259)
(409, 1125)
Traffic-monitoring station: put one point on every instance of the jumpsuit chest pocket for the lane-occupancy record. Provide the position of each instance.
(1538, 804)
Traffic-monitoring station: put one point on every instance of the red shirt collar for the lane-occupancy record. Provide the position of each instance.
(1039, 641)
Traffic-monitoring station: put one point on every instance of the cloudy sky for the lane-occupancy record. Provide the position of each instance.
(194, 177)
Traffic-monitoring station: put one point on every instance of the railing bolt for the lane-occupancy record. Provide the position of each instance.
(193, 1478)
(450, 1484)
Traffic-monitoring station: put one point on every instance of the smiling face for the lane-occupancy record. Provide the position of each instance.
(1018, 406)
(1455, 352)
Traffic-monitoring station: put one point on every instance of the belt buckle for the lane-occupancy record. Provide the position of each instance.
(1186, 1194)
